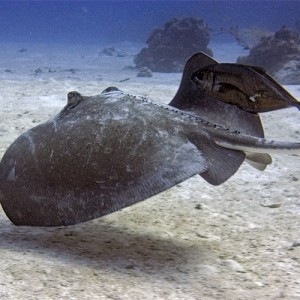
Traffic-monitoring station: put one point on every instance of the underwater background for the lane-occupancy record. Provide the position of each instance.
(239, 240)
(118, 21)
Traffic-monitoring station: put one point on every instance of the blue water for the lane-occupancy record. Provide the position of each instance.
(116, 21)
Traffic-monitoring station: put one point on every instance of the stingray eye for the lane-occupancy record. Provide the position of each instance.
(70, 95)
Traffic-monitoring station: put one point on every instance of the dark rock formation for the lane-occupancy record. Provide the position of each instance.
(275, 51)
(170, 47)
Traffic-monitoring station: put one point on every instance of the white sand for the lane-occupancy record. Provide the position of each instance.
(163, 248)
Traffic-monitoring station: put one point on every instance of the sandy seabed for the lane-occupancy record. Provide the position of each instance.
(194, 241)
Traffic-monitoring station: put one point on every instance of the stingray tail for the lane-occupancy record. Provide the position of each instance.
(250, 144)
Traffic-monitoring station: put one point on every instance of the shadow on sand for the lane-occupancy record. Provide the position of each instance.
(101, 244)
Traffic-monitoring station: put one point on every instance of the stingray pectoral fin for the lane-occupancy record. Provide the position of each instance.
(187, 93)
(223, 163)
(258, 69)
(41, 187)
(191, 98)
(258, 161)
(197, 61)
(283, 95)
(297, 105)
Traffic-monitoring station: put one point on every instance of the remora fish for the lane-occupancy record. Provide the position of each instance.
(106, 152)
(250, 88)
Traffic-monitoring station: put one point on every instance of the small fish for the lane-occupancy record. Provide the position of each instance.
(250, 88)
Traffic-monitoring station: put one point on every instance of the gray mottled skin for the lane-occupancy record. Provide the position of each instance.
(109, 151)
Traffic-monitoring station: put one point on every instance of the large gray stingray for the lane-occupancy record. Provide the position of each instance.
(109, 151)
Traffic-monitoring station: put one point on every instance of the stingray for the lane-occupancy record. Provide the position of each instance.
(250, 88)
(102, 153)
